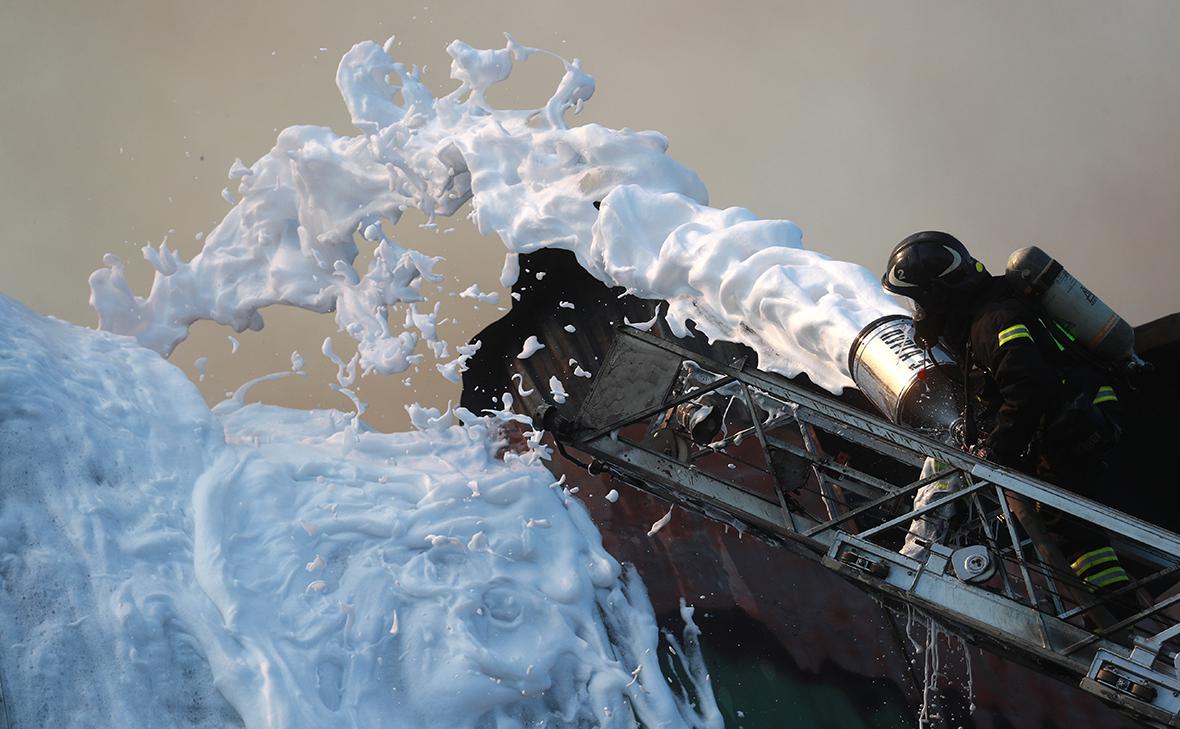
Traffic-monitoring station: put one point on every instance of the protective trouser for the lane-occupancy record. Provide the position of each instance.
(934, 525)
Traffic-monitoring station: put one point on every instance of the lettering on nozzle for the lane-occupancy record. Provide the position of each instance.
(904, 347)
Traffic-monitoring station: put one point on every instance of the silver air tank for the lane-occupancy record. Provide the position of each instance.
(900, 378)
(1036, 275)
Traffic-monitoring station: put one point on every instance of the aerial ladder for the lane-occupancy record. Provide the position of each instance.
(754, 449)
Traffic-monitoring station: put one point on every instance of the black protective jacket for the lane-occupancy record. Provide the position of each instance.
(1028, 374)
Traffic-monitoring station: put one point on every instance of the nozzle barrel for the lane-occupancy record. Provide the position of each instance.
(908, 385)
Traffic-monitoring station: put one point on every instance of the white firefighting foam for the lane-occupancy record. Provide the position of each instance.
(532, 180)
(265, 567)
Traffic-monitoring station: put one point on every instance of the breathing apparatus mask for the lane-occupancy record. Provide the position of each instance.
(928, 325)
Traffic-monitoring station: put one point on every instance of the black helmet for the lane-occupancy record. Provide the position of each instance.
(938, 273)
(934, 269)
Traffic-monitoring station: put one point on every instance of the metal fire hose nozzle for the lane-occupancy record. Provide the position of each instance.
(910, 385)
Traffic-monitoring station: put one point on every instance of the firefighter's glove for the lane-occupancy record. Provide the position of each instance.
(985, 452)
(960, 436)
(982, 451)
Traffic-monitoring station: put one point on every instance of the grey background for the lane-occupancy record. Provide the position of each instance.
(1006, 123)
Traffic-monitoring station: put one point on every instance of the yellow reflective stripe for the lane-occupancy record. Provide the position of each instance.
(1013, 332)
(1081, 571)
(1094, 557)
(1112, 576)
(1105, 394)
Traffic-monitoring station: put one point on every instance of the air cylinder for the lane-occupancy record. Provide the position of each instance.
(1037, 276)
(908, 385)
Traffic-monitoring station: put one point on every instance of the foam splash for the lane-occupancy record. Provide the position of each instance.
(269, 567)
(531, 180)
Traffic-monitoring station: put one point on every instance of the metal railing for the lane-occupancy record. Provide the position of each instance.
(774, 462)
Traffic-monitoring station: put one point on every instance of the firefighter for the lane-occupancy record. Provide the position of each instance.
(1048, 411)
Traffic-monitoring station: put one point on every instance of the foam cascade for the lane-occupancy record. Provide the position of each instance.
(531, 180)
(267, 567)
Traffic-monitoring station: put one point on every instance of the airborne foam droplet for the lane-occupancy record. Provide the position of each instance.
(520, 389)
(473, 292)
(643, 326)
(660, 523)
(532, 345)
(557, 390)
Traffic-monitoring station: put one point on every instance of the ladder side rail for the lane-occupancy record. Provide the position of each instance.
(1033, 633)
(1124, 623)
(846, 417)
(1039, 627)
(1107, 518)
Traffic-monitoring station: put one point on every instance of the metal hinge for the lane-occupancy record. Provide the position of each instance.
(864, 562)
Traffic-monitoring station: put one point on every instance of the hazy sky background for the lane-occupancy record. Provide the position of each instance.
(1006, 123)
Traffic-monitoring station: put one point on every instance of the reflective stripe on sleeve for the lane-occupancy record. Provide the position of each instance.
(1100, 568)
(1013, 332)
(1108, 577)
(1093, 558)
(1105, 394)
